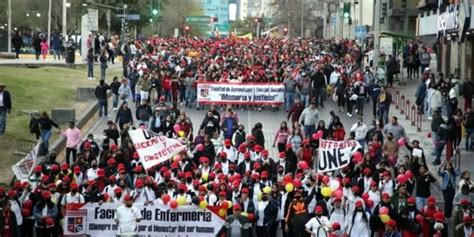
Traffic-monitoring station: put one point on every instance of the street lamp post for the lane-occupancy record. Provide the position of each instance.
(49, 22)
(9, 26)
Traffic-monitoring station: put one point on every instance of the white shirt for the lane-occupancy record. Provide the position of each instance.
(109, 190)
(231, 153)
(91, 174)
(314, 223)
(70, 198)
(386, 187)
(127, 220)
(261, 212)
(1, 100)
(17, 210)
(360, 131)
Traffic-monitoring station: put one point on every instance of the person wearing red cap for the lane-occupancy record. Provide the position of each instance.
(386, 184)
(9, 226)
(142, 194)
(391, 229)
(127, 217)
(463, 211)
(337, 214)
(237, 224)
(44, 210)
(91, 173)
(35, 178)
(439, 228)
(287, 166)
(266, 211)
(318, 221)
(229, 150)
(73, 197)
(428, 212)
(238, 138)
(358, 222)
(408, 224)
(465, 228)
(246, 164)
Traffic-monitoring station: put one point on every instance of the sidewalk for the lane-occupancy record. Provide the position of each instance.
(29, 59)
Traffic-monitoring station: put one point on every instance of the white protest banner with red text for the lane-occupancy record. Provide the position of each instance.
(158, 220)
(334, 155)
(241, 93)
(153, 148)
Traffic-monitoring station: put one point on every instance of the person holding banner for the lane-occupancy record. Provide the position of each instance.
(45, 213)
(127, 217)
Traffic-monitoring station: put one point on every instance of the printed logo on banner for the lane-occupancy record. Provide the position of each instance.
(75, 222)
(204, 92)
(334, 155)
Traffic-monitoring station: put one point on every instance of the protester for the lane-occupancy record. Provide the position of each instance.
(5, 107)
(127, 217)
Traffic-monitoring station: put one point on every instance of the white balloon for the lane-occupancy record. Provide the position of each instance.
(334, 185)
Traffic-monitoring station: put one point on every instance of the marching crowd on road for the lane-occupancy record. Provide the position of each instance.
(383, 191)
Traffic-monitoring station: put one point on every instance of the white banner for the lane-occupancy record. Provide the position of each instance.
(24, 167)
(236, 93)
(153, 148)
(334, 155)
(158, 220)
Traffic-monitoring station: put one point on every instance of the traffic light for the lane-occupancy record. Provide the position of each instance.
(346, 11)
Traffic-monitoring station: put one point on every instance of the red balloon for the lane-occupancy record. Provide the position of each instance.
(225, 205)
(251, 216)
(369, 203)
(166, 198)
(358, 155)
(49, 221)
(287, 179)
(173, 204)
(25, 212)
(419, 218)
(320, 133)
(383, 210)
(315, 136)
(401, 179)
(28, 204)
(365, 196)
(338, 193)
(176, 128)
(297, 183)
(303, 165)
(409, 174)
(325, 179)
(200, 147)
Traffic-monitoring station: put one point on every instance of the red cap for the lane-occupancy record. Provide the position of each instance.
(227, 142)
(202, 188)
(128, 198)
(66, 179)
(117, 190)
(337, 199)
(64, 166)
(204, 159)
(256, 165)
(77, 169)
(264, 174)
(358, 203)
(247, 154)
(139, 183)
(101, 172)
(182, 186)
(367, 171)
(236, 206)
(467, 219)
(11, 193)
(386, 173)
(431, 200)
(257, 148)
(55, 167)
(411, 200)
(438, 216)
(346, 180)
(373, 184)
(120, 166)
(318, 209)
(264, 153)
(38, 168)
(46, 195)
(135, 155)
(336, 226)
(282, 154)
(113, 147)
(355, 189)
(223, 194)
(385, 195)
(217, 166)
(112, 178)
(391, 223)
(188, 174)
(74, 186)
(245, 190)
(111, 161)
(44, 178)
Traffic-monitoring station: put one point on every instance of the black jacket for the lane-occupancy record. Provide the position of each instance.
(114, 86)
(101, 91)
(7, 101)
(124, 116)
(319, 80)
(46, 124)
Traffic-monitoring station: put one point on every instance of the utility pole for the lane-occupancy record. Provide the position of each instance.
(9, 26)
(375, 56)
(302, 18)
(64, 26)
(49, 23)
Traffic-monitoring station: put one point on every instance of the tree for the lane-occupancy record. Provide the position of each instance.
(289, 13)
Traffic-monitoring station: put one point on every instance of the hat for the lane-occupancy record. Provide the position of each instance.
(318, 209)
(54, 167)
(182, 186)
(38, 168)
(44, 178)
(373, 184)
(391, 223)
(431, 200)
(467, 219)
(346, 180)
(139, 183)
(247, 154)
(265, 153)
(438, 216)
(385, 195)
(227, 142)
(74, 186)
(222, 194)
(202, 188)
(77, 169)
(336, 226)
(66, 179)
(367, 171)
(337, 199)
(113, 147)
(112, 178)
(282, 154)
(355, 189)
(11, 193)
(101, 172)
(135, 155)
(236, 207)
(245, 190)
(411, 200)
(264, 174)
(188, 174)
(118, 190)
(111, 161)
(359, 203)
(46, 195)
(257, 148)
(128, 198)
(217, 166)
(386, 173)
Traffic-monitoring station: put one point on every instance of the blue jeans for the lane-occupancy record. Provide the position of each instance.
(309, 130)
(383, 114)
(3, 120)
(439, 149)
(319, 94)
(168, 97)
(289, 100)
(103, 107)
(190, 96)
(362, 144)
(115, 100)
(45, 136)
(305, 100)
(90, 69)
(421, 202)
(103, 69)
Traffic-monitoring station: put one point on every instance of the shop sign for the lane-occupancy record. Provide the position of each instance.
(449, 20)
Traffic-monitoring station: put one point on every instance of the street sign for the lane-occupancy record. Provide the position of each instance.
(361, 32)
(93, 19)
(130, 17)
(198, 19)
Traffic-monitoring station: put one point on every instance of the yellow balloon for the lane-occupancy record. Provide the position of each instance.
(289, 187)
(181, 134)
(326, 191)
(222, 212)
(267, 190)
(205, 176)
(245, 214)
(230, 204)
(203, 204)
(384, 218)
(181, 201)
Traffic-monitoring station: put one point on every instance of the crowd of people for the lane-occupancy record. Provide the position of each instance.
(382, 192)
